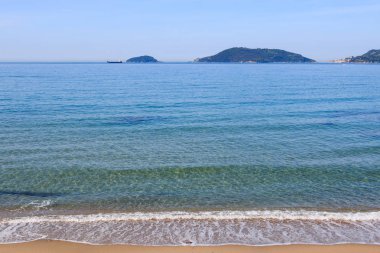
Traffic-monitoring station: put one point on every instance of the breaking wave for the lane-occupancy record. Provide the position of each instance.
(256, 227)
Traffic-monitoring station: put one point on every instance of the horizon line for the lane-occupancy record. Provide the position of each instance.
(150, 63)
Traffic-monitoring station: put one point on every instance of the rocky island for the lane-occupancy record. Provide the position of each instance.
(372, 56)
(258, 55)
(142, 59)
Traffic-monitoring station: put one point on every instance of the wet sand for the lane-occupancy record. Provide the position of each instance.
(66, 247)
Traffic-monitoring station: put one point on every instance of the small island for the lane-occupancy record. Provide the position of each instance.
(372, 56)
(258, 55)
(142, 59)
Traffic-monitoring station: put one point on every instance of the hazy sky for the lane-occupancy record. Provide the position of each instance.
(170, 30)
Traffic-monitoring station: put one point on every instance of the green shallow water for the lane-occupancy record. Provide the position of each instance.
(199, 188)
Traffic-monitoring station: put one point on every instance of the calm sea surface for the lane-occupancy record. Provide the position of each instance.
(190, 153)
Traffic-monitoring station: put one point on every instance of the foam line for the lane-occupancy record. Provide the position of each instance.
(207, 215)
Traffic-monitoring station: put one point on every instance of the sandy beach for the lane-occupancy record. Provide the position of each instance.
(66, 247)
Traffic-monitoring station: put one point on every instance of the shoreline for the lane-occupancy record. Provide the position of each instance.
(223, 228)
(47, 246)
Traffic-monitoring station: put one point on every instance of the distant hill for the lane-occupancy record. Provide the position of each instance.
(372, 56)
(142, 59)
(259, 55)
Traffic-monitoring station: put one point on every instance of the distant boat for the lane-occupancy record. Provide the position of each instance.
(114, 61)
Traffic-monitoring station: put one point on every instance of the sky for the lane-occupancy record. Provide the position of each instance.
(182, 30)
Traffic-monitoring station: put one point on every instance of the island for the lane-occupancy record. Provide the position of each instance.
(372, 56)
(258, 55)
(142, 59)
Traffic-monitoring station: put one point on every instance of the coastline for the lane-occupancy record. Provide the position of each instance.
(255, 227)
(47, 246)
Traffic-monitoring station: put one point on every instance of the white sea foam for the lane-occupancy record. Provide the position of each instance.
(38, 204)
(256, 227)
(206, 215)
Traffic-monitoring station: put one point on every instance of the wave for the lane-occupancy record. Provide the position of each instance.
(255, 227)
(206, 215)
(37, 204)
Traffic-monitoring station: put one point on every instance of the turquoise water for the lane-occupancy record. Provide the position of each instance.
(85, 139)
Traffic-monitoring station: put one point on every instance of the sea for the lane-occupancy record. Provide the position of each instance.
(190, 154)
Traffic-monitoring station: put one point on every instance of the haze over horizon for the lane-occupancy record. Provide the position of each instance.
(173, 30)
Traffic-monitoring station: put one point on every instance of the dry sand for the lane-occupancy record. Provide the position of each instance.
(65, 247)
